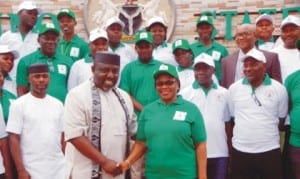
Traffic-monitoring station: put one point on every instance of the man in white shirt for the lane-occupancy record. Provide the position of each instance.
(99, 121)
(211, 99)
(258, 105)
(24, 40)
(35, 129)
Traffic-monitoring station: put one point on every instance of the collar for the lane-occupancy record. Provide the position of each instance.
(8, 78)
(267, 81)
(180, 69)
(151, 62)
(260, 42)
(162, 45)
(121, 44)
(200, 44)
(88, 58)
(196, 85)
(41, 55)
(179, 100)
(73, 39)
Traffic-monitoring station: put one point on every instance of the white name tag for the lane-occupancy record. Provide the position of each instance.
(62, 69)
(74, 52)
(216, 55)
(179, 116)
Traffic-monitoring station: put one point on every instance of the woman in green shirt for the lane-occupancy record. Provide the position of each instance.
(170, 133)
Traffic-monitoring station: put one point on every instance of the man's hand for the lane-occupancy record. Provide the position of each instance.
(125, 165)
(111, 168)
(23, 174)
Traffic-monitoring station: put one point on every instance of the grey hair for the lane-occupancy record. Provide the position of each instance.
(250, 27)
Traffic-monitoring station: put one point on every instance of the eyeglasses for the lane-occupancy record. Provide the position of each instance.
(256, 100)
(162, 83)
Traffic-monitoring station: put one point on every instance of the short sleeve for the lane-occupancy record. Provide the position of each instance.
(75, 117)
(3, 134)
(15, 118)
(197, 127)
(22, 73)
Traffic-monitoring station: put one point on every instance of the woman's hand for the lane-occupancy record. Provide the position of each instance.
(125, 165)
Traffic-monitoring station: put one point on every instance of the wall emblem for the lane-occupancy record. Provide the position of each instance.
(134, 13)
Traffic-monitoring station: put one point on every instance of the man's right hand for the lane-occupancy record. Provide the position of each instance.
(23, 174)
(111, 168)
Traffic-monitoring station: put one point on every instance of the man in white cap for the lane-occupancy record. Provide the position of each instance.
(99, 121)
(288, 53)
(114, 28)
(211, 99)
(7, 58)
(258, 105)
(162, 50)
(35, 128)
(264, 32)
(289, 58)
(81, 69)
(24, 40)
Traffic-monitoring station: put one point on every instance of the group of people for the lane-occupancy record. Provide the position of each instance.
(102, 109)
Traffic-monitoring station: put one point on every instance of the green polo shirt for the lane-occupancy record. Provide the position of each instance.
(6, 99)
(59, 67)
(170, 133)
(76, 48)
(216, 50)
(292, 84)
(137, 79)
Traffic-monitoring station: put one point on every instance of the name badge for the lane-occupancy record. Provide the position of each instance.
(74, 52)
(179, 116)
(62, 69)
(216, 55)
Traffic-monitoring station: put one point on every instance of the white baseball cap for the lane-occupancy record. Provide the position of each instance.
(265, 17)
(97, 33)
(290, 19)
(28, 5)
(114, 20)
(6, 49)
(256, 54)
(156, 19)
(204, 58)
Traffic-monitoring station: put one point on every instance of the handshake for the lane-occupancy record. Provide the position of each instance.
(113, 168)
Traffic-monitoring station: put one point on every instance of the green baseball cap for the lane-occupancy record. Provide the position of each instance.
(205, 19)
(181, 44)
(166, 69)
(143, 36)
(67, 12)
(48, 27)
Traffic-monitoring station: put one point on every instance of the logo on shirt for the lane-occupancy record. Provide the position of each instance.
(216, 55)
(74, 52)
(179, 116)
(62, 69)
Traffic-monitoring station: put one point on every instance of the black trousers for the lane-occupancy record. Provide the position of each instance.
(266, 165)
